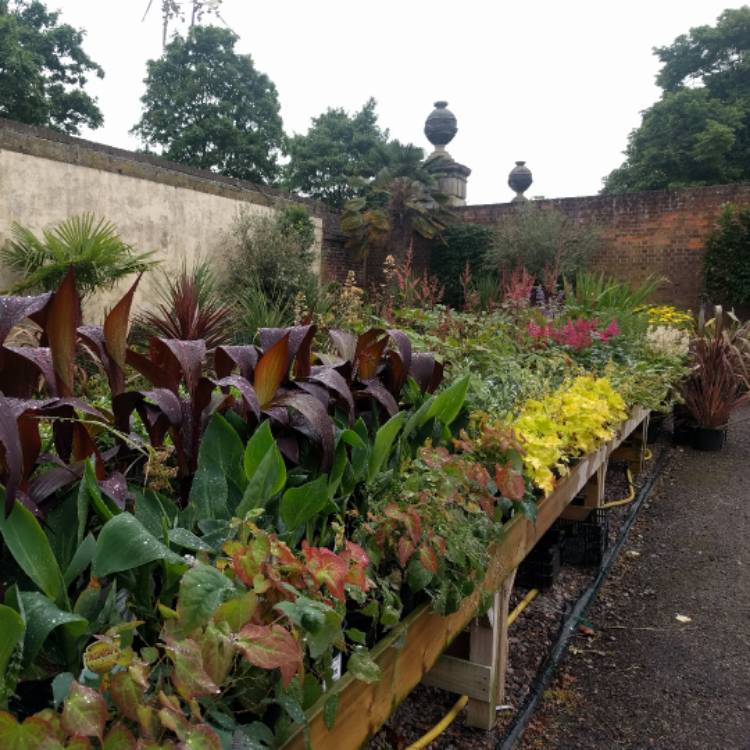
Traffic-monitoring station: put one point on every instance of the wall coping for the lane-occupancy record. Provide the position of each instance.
(50, 144)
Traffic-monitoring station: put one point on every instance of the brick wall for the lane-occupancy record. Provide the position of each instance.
(656, 232)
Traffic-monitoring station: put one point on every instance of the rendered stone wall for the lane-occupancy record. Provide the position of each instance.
(180, 213)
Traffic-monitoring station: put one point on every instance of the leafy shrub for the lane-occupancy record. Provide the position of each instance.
(92, 248)
(726, 263)
(271, 254)
(540, 238)
(464, 244)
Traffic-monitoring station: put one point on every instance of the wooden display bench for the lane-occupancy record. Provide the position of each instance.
(411, 652)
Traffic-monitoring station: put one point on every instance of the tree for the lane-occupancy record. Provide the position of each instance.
(698, 133)
(341, 153)
(207, 106)
(172, 10)
(43, 69)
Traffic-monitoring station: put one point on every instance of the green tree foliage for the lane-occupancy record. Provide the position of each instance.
(340, 152)
(541, 239)
(207, 106)
(464, 244)
(698, 133)
(43, 69)
(726, 264)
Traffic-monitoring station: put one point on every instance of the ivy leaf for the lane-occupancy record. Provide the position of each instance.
(362, 666)
(330, 708)
(271, 647)
(119, 738)
(126, 694)
(84, 712)
(202, 590)
(190, 677)
(33, 734)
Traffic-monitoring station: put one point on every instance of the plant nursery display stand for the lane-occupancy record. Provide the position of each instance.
(412, 651)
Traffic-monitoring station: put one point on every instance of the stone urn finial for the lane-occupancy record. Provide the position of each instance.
(440, 126)
(519, 181)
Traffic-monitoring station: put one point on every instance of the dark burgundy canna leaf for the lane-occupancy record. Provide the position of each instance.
(335, 383)
(398, 362)
(116, 488)
(226, 358)
(115, 331)
(169, 404)
(12, 454)
(299, 337)
(375, 389)
(271, 370)
(46, 484)
(316, 417)
(368, 357)
(14, 309)
(160, 373)
(316, 391)
(426, 371)
(63, 316)
(189, 356)
(249, 397)
(21, 367)
(345, 343)
(289, 448)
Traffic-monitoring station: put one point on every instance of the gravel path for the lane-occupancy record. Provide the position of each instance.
(665, 661)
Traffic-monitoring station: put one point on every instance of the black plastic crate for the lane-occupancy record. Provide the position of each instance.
(540, 568)
(584, 542)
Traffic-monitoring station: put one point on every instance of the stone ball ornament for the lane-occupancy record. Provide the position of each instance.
(441, 125)
(519, 180)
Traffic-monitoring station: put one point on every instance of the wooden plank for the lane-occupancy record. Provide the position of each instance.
(460, 676)
(408, 652)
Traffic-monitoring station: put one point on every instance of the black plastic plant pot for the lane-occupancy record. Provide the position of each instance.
(709, 438)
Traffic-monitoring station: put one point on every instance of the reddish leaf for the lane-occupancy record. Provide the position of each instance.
(335, 383)
(62, 320)
(271, 647)
(398, 362)
(357, 561)
(21, 368)
(426, 371)
(84, 712)
(12, 454)
(316, 417)
(226, 358)
(189, 356)
(202, 737)
(217, 651)
(271, 370)
(119, 738)
(299, 341)
(509, 482)
(345, 343)
(126, 694)
(190, 677)
(370, 348)
(406, 549)
(159, 373)
(14, 309)
(428, 558)
(249, 397)
(375, 389)
(328, 568)
(116, 335)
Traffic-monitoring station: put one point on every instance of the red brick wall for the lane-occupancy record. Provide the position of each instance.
(657, 232)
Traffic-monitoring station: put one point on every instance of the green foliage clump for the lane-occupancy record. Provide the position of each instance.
(464, 244)
(726, 264)
(92, 247)
(543, 240)
(698, 133)
(207, 106)
(44, 69)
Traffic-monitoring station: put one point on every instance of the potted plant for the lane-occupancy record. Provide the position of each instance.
(718, 383)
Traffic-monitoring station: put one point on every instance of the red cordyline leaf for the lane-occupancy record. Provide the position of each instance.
(271, 647)
(85, 712)
(509, 482)
(271, 370)
(326, 567)
(63, 316)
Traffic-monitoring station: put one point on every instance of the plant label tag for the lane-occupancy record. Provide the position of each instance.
(336, 667)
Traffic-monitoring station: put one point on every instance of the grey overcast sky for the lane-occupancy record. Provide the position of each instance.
(558, 84)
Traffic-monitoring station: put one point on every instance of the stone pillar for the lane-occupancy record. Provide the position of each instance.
(440, 128)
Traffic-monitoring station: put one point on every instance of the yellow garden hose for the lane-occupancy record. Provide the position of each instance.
(450, 717)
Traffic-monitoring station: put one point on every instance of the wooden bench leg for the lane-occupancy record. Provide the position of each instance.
(489, 646)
